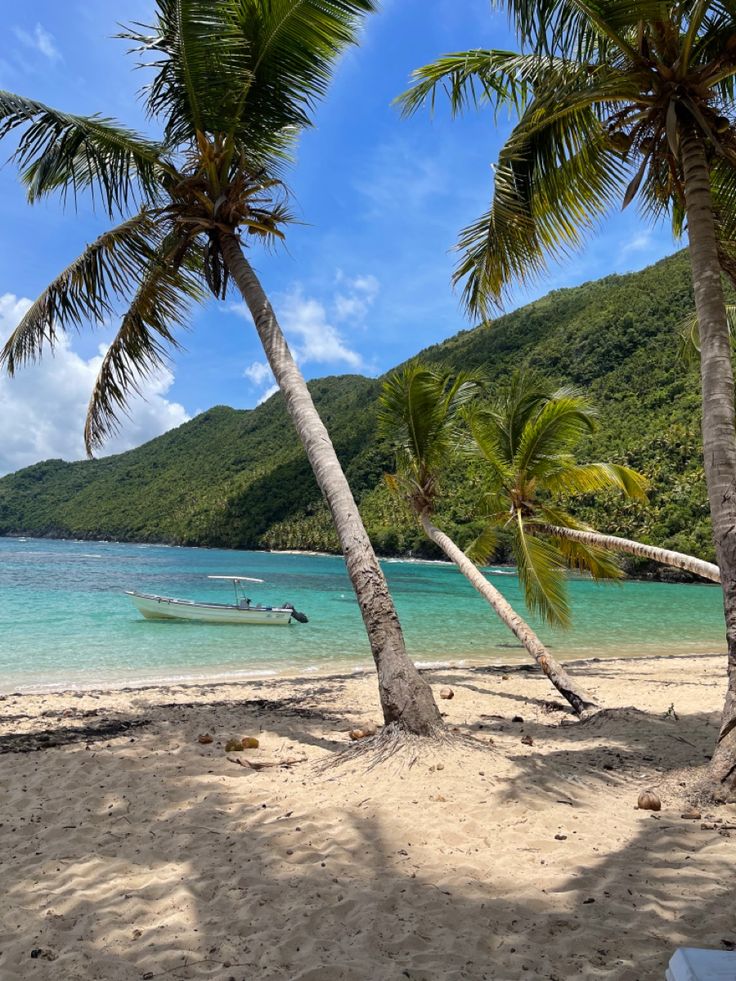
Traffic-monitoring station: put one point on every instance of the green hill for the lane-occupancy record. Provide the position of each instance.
(239, 478)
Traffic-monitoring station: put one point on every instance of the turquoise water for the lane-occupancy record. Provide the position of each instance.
(64, 620)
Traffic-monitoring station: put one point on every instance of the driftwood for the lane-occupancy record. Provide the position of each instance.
(251, 764)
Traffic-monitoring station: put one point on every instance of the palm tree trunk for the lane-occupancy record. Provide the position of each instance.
(406, 698)
(580, 700)
(719, 430)
(706, 570)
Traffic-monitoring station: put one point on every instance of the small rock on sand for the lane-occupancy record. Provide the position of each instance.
(205, 738)
(447, 693)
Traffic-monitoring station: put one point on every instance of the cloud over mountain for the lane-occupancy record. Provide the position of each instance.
(42, 409)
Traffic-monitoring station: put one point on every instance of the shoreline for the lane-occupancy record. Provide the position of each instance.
(330, 673)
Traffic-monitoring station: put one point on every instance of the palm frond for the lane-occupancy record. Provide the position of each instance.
(541, 571)
(57, 151)
(471, 78)
(560, 423)
(504, 419)
(294, 45)
(601, 565)
(689, 339)
(488, 433)
(201, 61)
(587, 478)
(482, 548)
(595, 29)
(85, 292)
(419, 414)
(556, 177)
(598, 562)
(145, 336)
(247, 70)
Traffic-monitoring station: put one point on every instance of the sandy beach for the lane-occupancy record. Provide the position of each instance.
(130, 850)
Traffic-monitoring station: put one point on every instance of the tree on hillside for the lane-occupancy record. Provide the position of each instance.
(617, 100)
(233, 85)
(526, 439)
(418, 413)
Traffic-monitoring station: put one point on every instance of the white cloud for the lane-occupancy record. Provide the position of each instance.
(316, 340)
(639, 243)
(355, 297)
(39, 40)
(258, 372)
(312, 326)
(267, 394)
(42, 409)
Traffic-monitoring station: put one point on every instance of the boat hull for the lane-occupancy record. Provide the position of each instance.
(167, 608)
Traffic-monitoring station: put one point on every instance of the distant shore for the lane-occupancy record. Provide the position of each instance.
(134, 844)
(655, 574)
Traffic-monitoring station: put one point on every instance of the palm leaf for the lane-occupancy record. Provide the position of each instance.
(587, 478)
(86, 291)
(556, 177)
(140, 346)
(488, 432)
(582, 30)
(58, 151)
(689, 346)
(470, 78)
(419, 414)
(601, 565)
(293, 47)
(560, 423)
(249, 71)
(482, 548)
(541, 571)
(201, 61)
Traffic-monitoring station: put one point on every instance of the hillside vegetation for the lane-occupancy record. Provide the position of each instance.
(239, 479)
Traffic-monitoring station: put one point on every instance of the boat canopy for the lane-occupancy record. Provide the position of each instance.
(237, 578)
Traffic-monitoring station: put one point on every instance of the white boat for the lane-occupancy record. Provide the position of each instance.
(243, 611)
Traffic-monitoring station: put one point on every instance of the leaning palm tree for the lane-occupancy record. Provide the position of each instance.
(617, 100)
(526, 440)
(418, 413)
(233, 85)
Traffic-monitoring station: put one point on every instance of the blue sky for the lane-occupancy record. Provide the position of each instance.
(364, 281)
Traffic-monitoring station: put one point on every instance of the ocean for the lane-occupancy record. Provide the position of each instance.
(65, 621)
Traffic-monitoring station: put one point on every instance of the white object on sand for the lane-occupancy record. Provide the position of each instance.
(695, 964)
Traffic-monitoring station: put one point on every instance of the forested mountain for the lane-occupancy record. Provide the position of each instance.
(239, 478)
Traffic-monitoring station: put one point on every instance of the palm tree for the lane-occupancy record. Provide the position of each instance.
(233, 85)
(526, 440)
(418, 412)
(616, 100)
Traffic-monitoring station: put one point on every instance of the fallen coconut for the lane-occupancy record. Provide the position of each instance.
(234, 746)
(648, 801)
(249, 742)
(205, 738)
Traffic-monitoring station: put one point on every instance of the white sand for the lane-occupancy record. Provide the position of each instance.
(149, 855)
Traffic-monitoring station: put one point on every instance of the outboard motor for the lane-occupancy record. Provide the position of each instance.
(295, 614)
